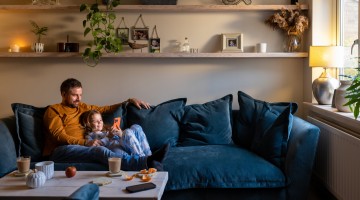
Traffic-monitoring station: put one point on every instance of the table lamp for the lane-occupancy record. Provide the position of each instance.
(325, 56)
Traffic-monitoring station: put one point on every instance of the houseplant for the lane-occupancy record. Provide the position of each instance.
(353, 95)
(293, 23)
(100, 25)
(38, 31)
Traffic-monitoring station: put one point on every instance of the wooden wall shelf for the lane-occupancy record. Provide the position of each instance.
(158, 55)
(151, 8)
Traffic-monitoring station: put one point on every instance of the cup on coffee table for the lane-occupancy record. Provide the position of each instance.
(23, 164)
(47, 167)
(114, 165)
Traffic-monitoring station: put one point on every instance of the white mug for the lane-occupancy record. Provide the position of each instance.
(261, 47)
(47, 167)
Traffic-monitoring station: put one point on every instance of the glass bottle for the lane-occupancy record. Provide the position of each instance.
(186, 46)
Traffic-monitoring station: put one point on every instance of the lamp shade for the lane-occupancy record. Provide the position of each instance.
(326, 56)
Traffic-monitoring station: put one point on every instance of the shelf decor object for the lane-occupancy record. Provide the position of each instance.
(235, 2)
(232, 42)
(38, 31)
(327, 57)
(293, 23)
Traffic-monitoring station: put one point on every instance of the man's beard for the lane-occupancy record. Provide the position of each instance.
(73, 105)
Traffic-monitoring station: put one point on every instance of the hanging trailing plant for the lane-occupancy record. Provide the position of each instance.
(100, 24)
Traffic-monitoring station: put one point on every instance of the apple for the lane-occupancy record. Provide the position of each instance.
(70, 171)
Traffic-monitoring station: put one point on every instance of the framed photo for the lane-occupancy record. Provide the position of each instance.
(123, 34)
(140, 34)
(232, 42)
(154, 46)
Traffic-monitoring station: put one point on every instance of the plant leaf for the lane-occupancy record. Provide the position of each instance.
(82, 7)
(87, 30)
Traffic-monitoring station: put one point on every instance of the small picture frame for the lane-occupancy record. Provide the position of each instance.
(232, 42)
(154, 46)
(123, 34)
(140, 34)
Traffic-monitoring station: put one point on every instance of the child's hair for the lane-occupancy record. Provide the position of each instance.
(86, 119)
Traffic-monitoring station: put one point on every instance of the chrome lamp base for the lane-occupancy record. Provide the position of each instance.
(323, 88)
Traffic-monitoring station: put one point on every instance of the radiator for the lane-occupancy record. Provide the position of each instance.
(337, 162)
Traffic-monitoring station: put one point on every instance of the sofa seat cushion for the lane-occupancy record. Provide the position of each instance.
(220, 166)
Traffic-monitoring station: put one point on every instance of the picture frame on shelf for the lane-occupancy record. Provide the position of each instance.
(232, 42)
(123, 34)
(140, 34)
(154, 45)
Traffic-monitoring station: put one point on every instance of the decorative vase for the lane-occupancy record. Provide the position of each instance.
(38, 47)
(35, 179)
(292, 42)
(339, 96)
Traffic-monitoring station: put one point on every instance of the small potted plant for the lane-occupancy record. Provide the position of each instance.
(38, 31)
(100, 25)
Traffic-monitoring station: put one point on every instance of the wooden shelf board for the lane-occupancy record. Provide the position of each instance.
(158, 55)
(161, 8)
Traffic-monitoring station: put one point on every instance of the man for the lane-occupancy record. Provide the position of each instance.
(65, 141)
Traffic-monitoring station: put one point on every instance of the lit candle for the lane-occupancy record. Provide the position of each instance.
(15, 48)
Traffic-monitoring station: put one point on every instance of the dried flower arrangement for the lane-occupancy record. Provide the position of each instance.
(291, 21)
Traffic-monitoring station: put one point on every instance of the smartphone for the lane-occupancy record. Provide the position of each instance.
(140, 187)
(117, 122)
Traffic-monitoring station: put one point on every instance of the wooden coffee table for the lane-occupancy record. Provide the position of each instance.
(60, 186)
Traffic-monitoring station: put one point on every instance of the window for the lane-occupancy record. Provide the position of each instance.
(348, 29)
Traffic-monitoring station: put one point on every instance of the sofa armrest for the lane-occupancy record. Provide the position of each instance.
(300, 157)
(7, 149)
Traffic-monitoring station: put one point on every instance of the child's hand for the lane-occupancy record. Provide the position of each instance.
(115, 131)
(118, 133)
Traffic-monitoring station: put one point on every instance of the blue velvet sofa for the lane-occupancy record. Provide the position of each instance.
(260, 151)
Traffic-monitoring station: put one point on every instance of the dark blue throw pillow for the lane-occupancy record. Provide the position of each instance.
(204, 124)
(264, 127)
(30, 130)
(157, 122)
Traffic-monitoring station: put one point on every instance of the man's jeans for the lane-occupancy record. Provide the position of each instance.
(100, 154)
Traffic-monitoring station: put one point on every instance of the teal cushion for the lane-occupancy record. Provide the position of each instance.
(157, 122)
(8, 151)
(267, 125)
(30, 130)
(88, 191)
(204, 124)
(243, 126)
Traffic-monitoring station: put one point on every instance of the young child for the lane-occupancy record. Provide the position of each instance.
(131, 141)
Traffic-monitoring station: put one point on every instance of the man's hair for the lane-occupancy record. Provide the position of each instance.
(68, 84)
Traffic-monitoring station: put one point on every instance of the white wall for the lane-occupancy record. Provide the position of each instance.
(36, 81)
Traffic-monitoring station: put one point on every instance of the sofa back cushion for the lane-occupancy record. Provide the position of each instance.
(159, 125)
(8, 151)
(204, 124)
(30, 130)
(264, 127)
